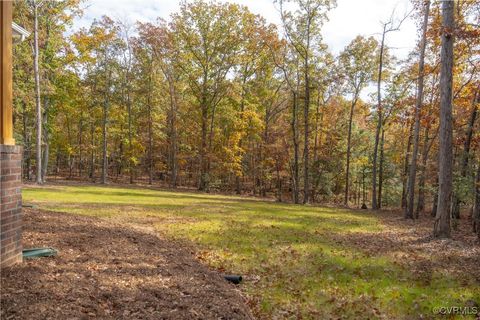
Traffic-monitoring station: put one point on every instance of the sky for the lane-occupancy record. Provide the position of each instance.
(349, 19)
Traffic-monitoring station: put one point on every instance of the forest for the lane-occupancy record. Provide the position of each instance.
(217, 99)
(211, 162)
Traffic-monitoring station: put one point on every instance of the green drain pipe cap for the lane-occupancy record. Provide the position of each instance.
(32, 206)
(38, 252)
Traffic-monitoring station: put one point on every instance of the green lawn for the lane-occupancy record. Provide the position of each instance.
(293, 265)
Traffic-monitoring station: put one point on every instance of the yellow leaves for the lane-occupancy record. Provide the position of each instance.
(134, 160)
(253, 119)
(70, 150)
(232, 159)
(362, 161)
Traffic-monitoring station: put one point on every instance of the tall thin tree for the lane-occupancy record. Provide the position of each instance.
(441, 227)
(358, 67)
(387, 27)
(36, 69)
(418, 107)
(302, 30)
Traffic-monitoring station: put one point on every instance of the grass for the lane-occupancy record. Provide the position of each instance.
(294, 266)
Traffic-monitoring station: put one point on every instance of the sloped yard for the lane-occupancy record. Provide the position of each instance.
(298, 261)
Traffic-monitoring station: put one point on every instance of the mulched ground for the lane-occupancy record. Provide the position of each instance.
(107, 270)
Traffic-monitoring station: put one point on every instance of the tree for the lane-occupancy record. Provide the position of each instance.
(160, 39)
(143, 49)
(48, 20)
(397, 97)
(205, 36)
(418, 107)
(428, 142)
(387, 27)
(442, 219)
(99, 49)
(216, 99)
(254, 66)
(357, 63)
(35, 5)
(302, 30)
(286, 60)
(125, 30)
(156, 51)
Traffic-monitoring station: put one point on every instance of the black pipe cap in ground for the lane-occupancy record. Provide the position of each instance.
(236, 279)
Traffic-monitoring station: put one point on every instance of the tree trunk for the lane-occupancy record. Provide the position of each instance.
(315, 148)
(295, 151)
(46, 155)
(380, 174)
(173, 133)
(150, 140)
(254, 169)
(46, 138)
(37, 95)
(27, 147)
(238, 179)
(358, 195)
(118, 158)
(421, 181)
(364, 191)
(210, 144)
(349, 139)
(130, 144)
(104, 143)
(263, 152)
(306, 149)
(279, 182)
(203, 148)
(442, 218)
(80, 145)
(92, 151)
(104, 129)
(418, 107)
(435, 199)
(405, 169)
(379, 124)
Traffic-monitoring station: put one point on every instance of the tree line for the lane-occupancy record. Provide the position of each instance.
(216, 98)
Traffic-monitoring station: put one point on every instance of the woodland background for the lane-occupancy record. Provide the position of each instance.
(219, 100)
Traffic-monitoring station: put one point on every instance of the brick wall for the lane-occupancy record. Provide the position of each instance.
(11, 205)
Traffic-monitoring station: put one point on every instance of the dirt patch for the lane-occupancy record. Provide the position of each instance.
(107, 270)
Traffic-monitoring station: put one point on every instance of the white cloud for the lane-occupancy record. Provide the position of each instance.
(348, 19)
(365, 17)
